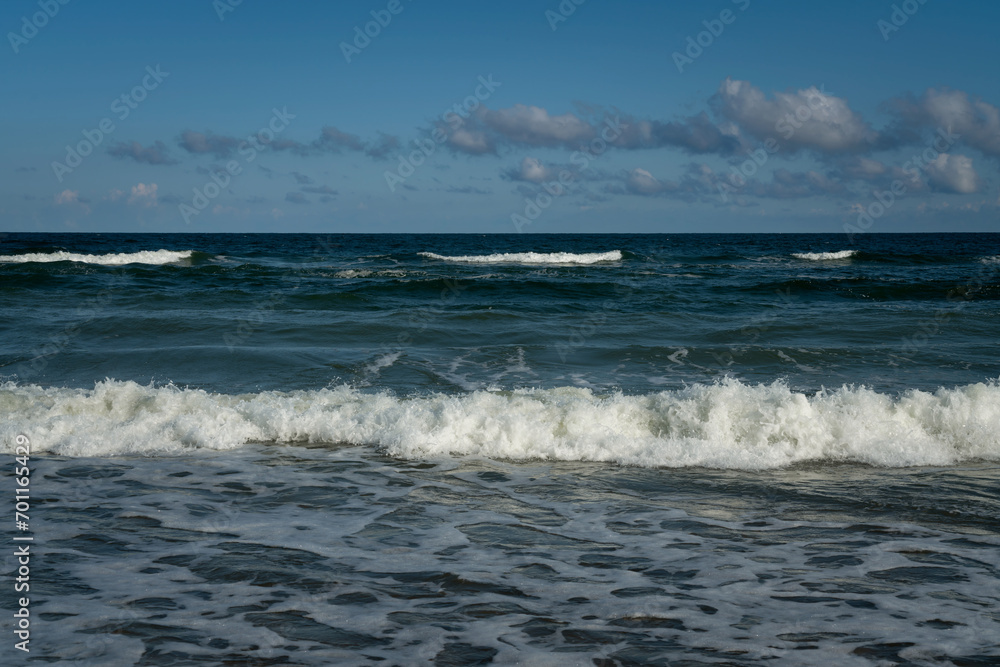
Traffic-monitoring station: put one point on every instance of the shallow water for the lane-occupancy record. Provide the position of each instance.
(277, 554)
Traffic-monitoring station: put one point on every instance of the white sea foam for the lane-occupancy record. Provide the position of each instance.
(725, 425)
(532, 257)
(112, 259)
(369, 273)
(824, 256)
(383, 361)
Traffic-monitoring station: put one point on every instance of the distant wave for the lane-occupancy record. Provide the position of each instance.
(369, 273)
(722, 425)
(532, 257)
(113, 259)
(822, 256)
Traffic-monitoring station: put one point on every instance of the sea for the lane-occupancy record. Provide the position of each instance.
(432, 449)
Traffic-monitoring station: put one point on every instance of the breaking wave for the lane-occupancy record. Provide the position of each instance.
(532, 257)
(724, 425)
(112, 259)
(824, 256)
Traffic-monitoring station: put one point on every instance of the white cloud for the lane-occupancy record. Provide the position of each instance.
(534, 126)
(953, 173)
(641, 182)
(520, 125)
(68, 197)
(976, 123)
(143, 195)
(471, 141)
(73, 198)
(807, 119)
(533, 171)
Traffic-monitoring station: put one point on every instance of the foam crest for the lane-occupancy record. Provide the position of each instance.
(824, 256)
(724, 425)
(370, 273)
(112, 259)
(532, 257)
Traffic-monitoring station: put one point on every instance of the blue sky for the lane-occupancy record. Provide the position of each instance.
(600, 116)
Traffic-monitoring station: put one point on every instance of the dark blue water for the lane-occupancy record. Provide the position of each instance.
(259, 312)
(513, 449)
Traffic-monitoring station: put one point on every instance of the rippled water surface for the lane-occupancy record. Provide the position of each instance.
(339, 555)
(540, 450)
